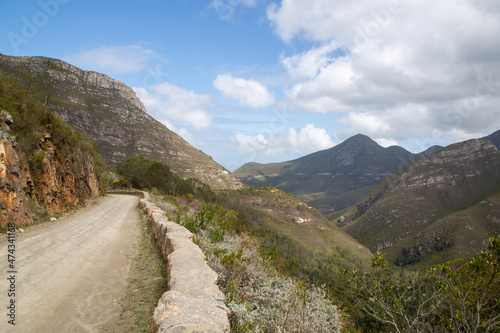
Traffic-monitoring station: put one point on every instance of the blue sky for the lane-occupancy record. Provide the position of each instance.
(266, 81)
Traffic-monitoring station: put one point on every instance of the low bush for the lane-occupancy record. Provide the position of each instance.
(260, 297)
(142, 173)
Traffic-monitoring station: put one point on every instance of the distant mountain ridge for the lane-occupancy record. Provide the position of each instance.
(335, 178)
(441, 207)
(494, 138)
(110, 114)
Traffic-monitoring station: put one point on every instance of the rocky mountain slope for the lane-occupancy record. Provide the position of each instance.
(333, 179)
(45, 166)
(443, 206)
(110, 114)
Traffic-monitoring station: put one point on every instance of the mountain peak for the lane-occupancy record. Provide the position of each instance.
(360, 139)
(331, 179)
(110, 114)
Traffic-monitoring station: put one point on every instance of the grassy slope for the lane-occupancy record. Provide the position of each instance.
(459, 235)
(272, 210)
(395, 213)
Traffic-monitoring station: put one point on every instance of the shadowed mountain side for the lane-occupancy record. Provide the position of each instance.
(336, 178)
(406, 208)
(494, 138)
(110, 114)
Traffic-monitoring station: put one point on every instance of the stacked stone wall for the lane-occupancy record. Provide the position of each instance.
(193, 302)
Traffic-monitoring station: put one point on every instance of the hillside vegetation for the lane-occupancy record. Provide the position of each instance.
(441, 207)
(111, 115)
(240, 232)
(46, 165)
(297, 231)
(32, 120)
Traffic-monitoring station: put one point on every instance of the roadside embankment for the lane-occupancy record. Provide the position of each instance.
(194, 302)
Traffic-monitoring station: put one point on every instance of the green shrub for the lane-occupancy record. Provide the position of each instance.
(260, 298)
(32, 120)
(142, 173)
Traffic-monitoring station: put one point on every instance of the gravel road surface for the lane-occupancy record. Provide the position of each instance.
(70, 274)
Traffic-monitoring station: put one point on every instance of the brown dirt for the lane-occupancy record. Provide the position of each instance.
(72, 275)
(146, 283)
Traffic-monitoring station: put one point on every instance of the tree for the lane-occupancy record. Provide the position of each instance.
(465, 298)
(472, 293)
(405, 301)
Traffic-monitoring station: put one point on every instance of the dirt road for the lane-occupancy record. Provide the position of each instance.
(69, 275)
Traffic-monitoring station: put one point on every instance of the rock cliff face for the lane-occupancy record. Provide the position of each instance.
(16, 184)
(403, 213)
(109, 113)
(61, 181)
(64, 180)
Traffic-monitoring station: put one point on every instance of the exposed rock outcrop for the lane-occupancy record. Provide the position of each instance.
(64, 180)
(60, 181)
(110, 114)
(16, 184)
(435, 190)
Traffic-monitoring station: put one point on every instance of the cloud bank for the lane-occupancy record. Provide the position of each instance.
(395, 68)
(306, 140)
(247, 92)
(171, 104)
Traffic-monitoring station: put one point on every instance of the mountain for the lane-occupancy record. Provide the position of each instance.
(336, 178)
(111, 115)
(441, 207)
(494, 138)
(46, 167)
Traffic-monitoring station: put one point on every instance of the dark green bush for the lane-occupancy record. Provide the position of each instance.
(33, 120)
(142, 173)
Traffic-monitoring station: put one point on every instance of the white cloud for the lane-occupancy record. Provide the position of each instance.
(324, 92)
(395, 68)
(386, 142)
(369, 124)
(260, 144)
(114, 59)
(309, 139)
(248, 92)
(309, 63)
(306, 140)
(171, 104)
(226, 8)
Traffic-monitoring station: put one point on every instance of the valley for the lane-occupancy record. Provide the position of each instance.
(416, 208)
(339, 219)
(333, 179)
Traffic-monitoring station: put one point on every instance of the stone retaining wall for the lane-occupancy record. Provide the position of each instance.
(194, 302)
(129, 192)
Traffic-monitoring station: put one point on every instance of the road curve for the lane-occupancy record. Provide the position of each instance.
(70, 274)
